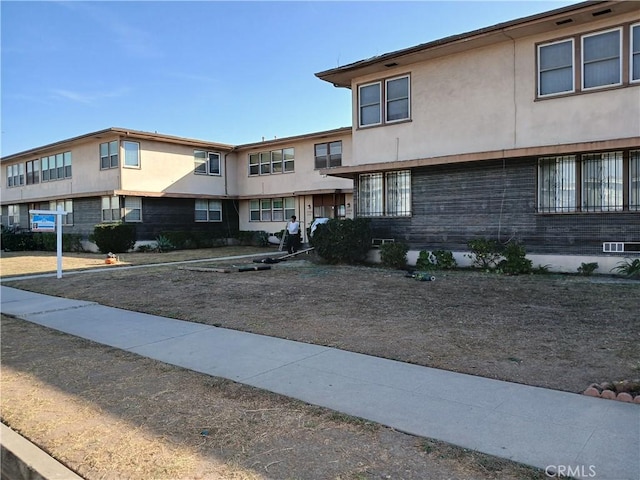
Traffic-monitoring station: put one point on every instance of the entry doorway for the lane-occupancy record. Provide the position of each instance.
(330, 205)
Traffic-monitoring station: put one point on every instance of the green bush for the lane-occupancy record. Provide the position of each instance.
(628, 267)
(394, 255)
(114, 237)
(343, 240)
(256, 238)
(515, 261)
(485, 253)
(163, 244)
(48, 242)
(587, 269)
(443, 259)
(424, 261)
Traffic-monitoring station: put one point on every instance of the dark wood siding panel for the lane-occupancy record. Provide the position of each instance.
(497, 200)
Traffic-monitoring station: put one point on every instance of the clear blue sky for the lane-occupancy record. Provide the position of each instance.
(229, 72)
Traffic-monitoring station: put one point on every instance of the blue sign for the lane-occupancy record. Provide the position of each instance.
(43, 223)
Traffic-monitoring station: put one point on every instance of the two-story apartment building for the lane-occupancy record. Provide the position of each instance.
(163, 183)
(527, 130)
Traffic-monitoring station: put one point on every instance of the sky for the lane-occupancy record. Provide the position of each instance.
(232, 72)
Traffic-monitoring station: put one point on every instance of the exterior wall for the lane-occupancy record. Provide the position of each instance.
(485, 100)
(169, 169)
(454, 204)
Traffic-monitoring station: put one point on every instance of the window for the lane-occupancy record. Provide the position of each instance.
(328, 154)
(13, 215)
(634, 180)
(110, 209)
(396, 101)
(272, 162)
(602, 182)
(557, 184)
(601, 65)
(109, 155)
(33, 172)
(67, 164)
(65, 205)
(555, 68)
(131, 154)
(206, 163)
(635, 53)
(386, 194)
(369, 104)
(208, 211)
(15, 175)
(56, 167)
(271, 209)
(132, 209)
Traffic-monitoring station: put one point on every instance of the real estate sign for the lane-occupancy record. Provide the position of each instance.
(43, 223)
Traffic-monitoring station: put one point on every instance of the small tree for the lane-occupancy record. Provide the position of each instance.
(485, 253)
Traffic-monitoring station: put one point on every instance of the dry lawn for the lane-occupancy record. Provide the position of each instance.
(110, 414)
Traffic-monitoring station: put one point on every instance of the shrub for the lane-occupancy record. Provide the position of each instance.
(443, 259)
(424, 261)
(587, 268)
(394, 255)
(515, 261)
(257, 238)
(114, 237)
(485, 253)
(48, 242)
(628, 267)
(343, 241)
(163, 244)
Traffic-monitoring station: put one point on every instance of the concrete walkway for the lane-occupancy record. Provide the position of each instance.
(555, 431)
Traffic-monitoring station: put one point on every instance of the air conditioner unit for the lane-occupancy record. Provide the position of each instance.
(621, 247)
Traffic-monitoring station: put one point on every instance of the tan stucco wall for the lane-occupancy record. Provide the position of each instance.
(485, 100)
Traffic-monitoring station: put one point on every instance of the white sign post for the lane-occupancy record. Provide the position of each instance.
(42, 221)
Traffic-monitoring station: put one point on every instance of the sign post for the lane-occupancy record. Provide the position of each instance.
(43, 221)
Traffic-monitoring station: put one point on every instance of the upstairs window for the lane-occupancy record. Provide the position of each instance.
(601, 55)
(394, 98)
(555, 68)
(33, 172)
(15, 175)
(109, 155)
(131, 154)
(328, 155)
(635, 53)
(206, 163)
(272, 162)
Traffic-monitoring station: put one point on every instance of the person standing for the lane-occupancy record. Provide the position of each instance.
(293, 235)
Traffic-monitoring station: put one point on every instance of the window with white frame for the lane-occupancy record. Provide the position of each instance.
(634, 180)
(208, 210)
(109, 155)
(132, 209)
(387, 194)
(397, 99)
(272, 162)
(369, 104)
(13, 215)
(392, 96)
(328, 155)
(271, 209)
(111, 209)
(602, 182)
(635, 53)
(557, 184)
(601, 59)
(555, 68)
(33, 171)
(65, 205)
(206, 163)
(131, 154)
(15, 175)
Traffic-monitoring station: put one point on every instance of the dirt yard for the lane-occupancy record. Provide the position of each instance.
(127, 415)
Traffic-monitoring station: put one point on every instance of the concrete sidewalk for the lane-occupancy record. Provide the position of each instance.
(568, 433)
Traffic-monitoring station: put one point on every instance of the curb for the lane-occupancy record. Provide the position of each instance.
(22, 460)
